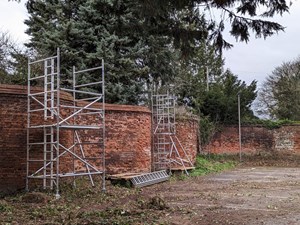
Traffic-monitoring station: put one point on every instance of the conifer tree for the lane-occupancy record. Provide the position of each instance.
(139, 40)
(88, 31)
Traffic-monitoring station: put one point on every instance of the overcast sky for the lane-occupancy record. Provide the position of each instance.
(254, 60)
(259, 57)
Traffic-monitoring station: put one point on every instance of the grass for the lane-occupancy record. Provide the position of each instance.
(212, 164)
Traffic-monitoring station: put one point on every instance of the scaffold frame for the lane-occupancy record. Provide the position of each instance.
(45, 123)
(168, 152)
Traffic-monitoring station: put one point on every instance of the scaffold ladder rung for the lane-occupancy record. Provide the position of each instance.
(150, 178)
(44, 139)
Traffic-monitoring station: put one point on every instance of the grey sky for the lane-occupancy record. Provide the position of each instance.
(12, 16)
(259, 57)
(254, 60)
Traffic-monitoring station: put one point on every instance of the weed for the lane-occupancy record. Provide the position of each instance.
(158, 203)
(178, 176)
(4, 207)
(211, 164)
(36, 213)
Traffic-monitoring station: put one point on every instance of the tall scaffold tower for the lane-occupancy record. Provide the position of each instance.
(65, 138)
(168, 152)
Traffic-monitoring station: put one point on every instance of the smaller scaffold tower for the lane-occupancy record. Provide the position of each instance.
(65, 138)
(168, 152)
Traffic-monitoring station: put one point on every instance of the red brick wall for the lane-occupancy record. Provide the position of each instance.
(128, 141)
(256, 139)
(12, 141)
(128, 137)
(187, 133)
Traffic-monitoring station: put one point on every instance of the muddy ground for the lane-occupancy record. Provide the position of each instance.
(244, 195)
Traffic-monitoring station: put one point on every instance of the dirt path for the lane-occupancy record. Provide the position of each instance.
(259, 195)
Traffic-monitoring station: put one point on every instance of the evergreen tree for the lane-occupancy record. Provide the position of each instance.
(197, 74)
(49, 26)
(221, 101)
(216, 97)
(112, 30)
(242, 15)
(138, 39)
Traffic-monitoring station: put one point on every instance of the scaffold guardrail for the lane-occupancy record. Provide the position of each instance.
(46, 122)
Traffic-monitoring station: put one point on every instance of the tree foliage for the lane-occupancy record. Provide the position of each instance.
(191, 81)
(143, 42)
(279, 95)
(221, 102)
(5, 45)
(210, 92)
(13, 61)
(87, 31)
(244, 17)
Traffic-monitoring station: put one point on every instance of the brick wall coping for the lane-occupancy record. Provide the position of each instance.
(187, 118)
(22, 90)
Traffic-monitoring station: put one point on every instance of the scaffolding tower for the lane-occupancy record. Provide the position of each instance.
(168, 152)
(62, 139)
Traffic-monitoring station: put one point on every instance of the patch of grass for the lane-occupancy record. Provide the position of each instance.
(211, 164)
(4, 207)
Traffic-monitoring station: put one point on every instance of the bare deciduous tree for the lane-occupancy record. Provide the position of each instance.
(13, 60)
(279, 96)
